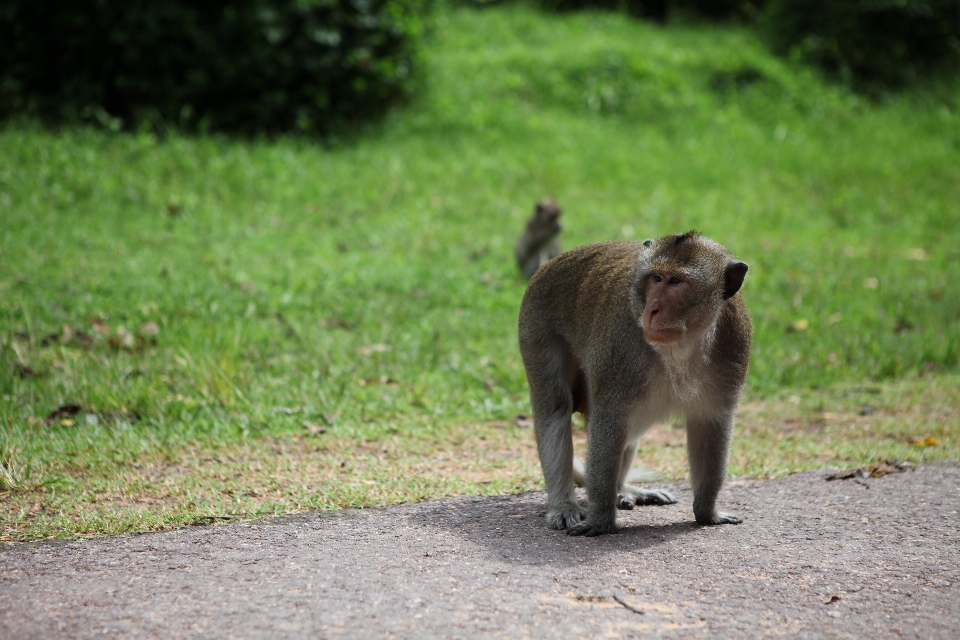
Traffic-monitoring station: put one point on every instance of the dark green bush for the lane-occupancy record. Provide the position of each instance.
(868, 43)
(238, 65)
(660, 10)
(722, 9)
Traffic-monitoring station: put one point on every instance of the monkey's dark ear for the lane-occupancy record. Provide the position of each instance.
(733, 280)
(648, 243)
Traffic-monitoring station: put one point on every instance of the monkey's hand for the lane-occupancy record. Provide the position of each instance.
(594, 527)
(565, 517)
(718, 518)
(630, 495)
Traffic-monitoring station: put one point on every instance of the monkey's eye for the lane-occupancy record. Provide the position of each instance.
(674, 280)
(657, 278)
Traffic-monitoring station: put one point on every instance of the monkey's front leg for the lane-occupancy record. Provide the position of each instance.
(606, 439)
(708, 446)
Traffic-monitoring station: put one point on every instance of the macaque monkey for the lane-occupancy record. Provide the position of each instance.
(629, 333)
(541, 240)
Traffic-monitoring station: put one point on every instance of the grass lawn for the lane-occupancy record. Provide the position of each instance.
(253, 327)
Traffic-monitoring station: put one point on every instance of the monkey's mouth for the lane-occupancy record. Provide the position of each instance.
(656, 331)
(662, 336)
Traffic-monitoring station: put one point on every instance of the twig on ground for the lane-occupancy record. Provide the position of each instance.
(627, 605)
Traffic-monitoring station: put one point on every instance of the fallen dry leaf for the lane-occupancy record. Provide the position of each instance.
(65, 336)
(25, 371)
(923, 442)
(842, 475)
(49, 339)
(149, 328)
(902, 325)
(63, 411)
(83, 338)
(314, 429)
(288, 329)
(123, 338)
(334, 323)
(890, 466)
(287, 410)
(99, 326)
(371, 349)
(860, 474)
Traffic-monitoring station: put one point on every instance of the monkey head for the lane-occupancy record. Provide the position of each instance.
(546, 217)
(682, 284)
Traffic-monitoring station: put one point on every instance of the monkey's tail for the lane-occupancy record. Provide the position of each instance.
(636, 474)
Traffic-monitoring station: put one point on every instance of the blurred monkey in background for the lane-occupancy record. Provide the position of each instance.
(541, 240)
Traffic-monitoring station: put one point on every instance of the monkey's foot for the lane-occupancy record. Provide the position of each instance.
(565, 517)
(592, 528)
(631, 495)
(718, 518)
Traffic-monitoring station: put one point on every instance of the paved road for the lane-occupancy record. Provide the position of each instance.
(812, 559)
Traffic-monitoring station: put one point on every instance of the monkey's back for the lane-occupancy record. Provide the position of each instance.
(570, 290)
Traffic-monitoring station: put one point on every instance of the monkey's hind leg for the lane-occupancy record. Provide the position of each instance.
(629, 495)
(555, 446)
(708, 446)
(552, 402)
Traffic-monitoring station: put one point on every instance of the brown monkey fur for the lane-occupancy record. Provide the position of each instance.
(630, 333)
(541, 240)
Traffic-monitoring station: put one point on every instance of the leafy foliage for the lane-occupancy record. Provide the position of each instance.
(869, 43)
(722, 9)
(660, 10)
(246, 65)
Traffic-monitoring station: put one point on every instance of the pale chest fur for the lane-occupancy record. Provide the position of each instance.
(679, 382)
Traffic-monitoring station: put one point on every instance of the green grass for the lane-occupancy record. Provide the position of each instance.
(369, 289)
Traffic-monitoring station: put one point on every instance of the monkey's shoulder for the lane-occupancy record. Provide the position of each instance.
(734, 337)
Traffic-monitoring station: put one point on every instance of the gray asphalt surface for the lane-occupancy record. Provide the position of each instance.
(813, 559)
